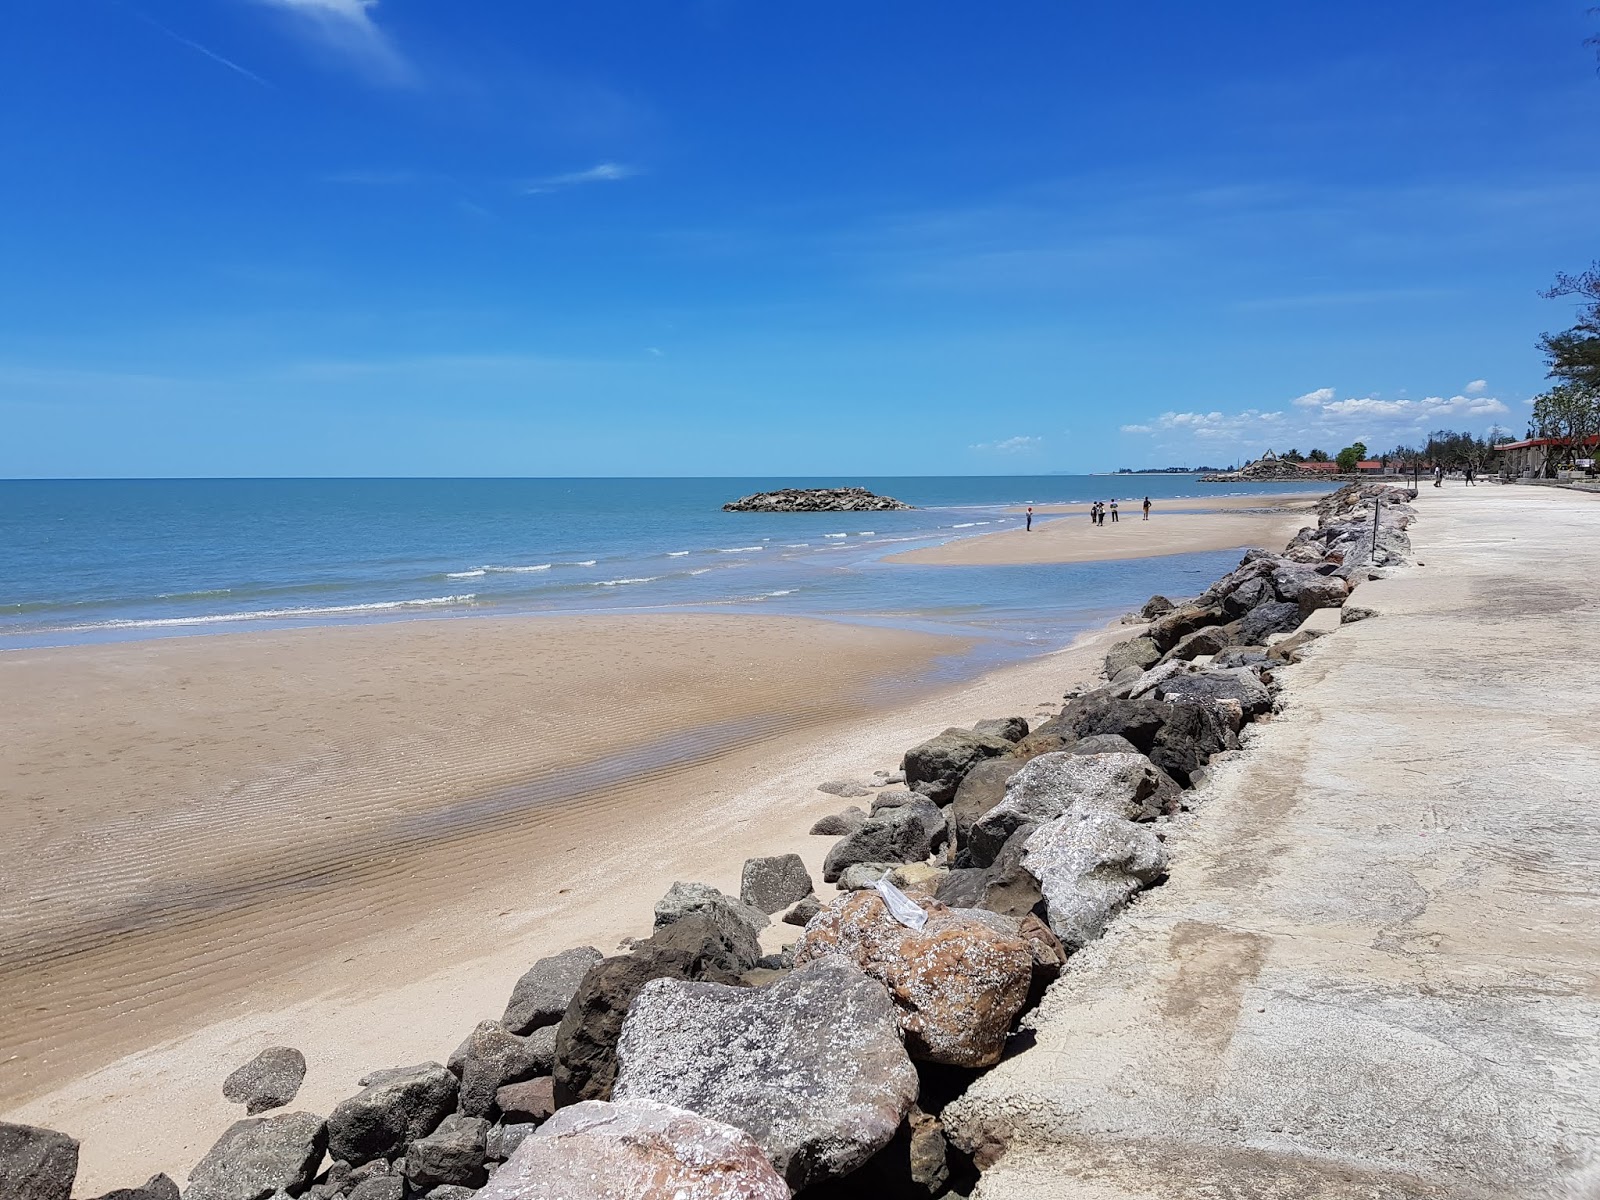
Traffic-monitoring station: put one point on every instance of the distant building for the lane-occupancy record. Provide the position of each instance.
(1531, 459)
(1320, 468)
(1374, 466)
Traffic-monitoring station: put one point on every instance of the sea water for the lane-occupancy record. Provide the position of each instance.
(97, 560)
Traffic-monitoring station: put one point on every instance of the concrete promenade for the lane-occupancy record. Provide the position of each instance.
(1375, 970)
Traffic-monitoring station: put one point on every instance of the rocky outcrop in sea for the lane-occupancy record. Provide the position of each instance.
(692, 1064)
(848, 499)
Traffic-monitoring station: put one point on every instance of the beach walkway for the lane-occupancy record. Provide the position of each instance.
(1375, 970)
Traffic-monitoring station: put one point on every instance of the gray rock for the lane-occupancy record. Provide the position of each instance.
(695, 947)
(1140, 653)
(802, 912)
(1207, 687)
(773, 884)
(1177, 737)
(1156, 606)
(893, 798)
(1241, 656)
(981, 789)
(451, 1191)
(1168, 630)
(935, 767)
(1245, 597)
(847, 789)
(1353, 613)
(396, 1108)
(1103, 743)
(685, 898)
(1264, 620)
(1088, 868)
(36, 1164)
(1012, 729)
(259, 1156)
(859, 876)
(839, 824)
(157, 1187)
(269, 1080)
(1210, 640)
(812, 1067)
(380, 1187)
(1055, 784)
(1002, 887)
(503, 1140)
(637, 1150)
(492, 1057)
(909, 833)
(454, 1153)
(544, 991)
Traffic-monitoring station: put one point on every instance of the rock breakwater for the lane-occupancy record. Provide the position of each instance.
(847, 499)
(690, 1063)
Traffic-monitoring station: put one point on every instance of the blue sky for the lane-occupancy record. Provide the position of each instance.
(508, 237)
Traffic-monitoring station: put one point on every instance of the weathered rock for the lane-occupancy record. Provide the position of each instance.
(1140, 653)
(803, 911)
(1177, 737)
(1088, 868)
(773, 884)
(492, 1057)
(380, 1187)
(262, 1155)
(636, 1150)
(894, 798)
(454, 1153)
(685, 898)
(1207, 687)
(982, 788)
(1241, 599)
(847, 789)
(929, 1152)
(1168, 630)
(397, 1107)
(695, 947)
(841, 499)
(1309, 591)
(1103, 743)
(938, 764)
(957, 983)
(531, 1101)
(839, 824)
(36, 1164)
(1241, 656)
(1054, 784)
(1156, 606)
(1353, 613)
(269, 1080)
(909, 833)
(857, 876)
(918, 879)
(544, 991)
(1288, 650)
(812, 1067)
(157, 1187)
(451, 1191)
(1210, 640)
(1264, 620)
(375, 1169)
(504, 1139)
(1012, 729)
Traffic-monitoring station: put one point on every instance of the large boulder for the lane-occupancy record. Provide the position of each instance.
(1140, 652)
(157, 1187)
(1179, 738)
(1088, 867)
(839, 824)
(908, 833)
(493, 1056)
(695, 947)
(1053, 784)
(454, 1153)
(637, 1150)
(1241, 684)
(269, 1080)
(393, 1108)
(528, 1102)
(1166, 631)
(1245, 597)
(958, 983)
(262, 1155)
(983, 787)
(685, 898)
(36, 1164)
(1002, 886)
(1012, 729)
(1264, 620)
(812, 1066)
(1156, 606)
(544, 991)
(1210, 640)
(935, 767)
(773, 884)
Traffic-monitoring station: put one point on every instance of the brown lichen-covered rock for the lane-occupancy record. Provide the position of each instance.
(636, 1150)
(957, 982)
(36, 1164)
(812, 1067)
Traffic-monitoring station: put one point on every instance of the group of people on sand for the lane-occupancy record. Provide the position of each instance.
(1098, 511)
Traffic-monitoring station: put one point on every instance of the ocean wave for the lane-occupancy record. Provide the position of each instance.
(528, 570)
(835, 535)
(701, 571)
(868, 533)
(964, 525)
(588, 562)
(623, 582)
(200, 595)
(782, 592)
(797, 545)
(677, 553)
(741, 550)
(466, 574)
(264, 614)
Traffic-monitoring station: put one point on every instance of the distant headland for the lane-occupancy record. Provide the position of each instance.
(847, 499)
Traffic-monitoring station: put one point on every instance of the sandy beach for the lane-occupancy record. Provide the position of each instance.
(1236, 521)
(354, 839)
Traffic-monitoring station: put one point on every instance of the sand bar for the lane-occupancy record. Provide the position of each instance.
(353, 840)
(1263, 521)
(1374, 969)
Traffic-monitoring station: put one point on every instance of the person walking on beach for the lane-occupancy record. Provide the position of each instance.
(1094, 513)
(1029, 528)
(1438, 475)
(1147, 508)
(1113, 510)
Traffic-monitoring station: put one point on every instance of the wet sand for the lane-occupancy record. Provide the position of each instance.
(354, 839)
(1068, 536)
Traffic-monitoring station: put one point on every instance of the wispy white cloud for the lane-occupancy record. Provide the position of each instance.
(606, 172)
(348, 29)
(199, 49)
(1021, 444)
(1477, 387)
(1138, 429)
(1315, 399)
(1428, 408)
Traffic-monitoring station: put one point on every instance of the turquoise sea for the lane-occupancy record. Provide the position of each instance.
(97, 560)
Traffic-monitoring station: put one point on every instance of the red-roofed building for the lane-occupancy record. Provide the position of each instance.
(1319, 468)
(1531, 459)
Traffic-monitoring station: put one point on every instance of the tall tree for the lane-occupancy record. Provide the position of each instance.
(1570, 412)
